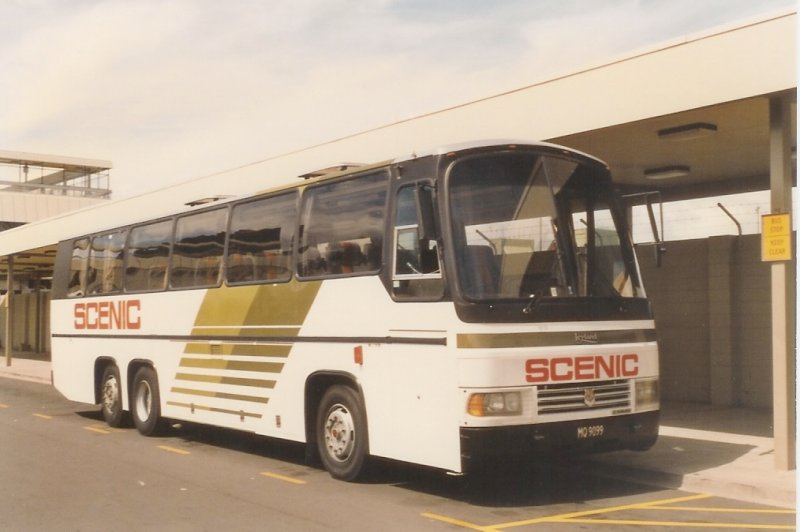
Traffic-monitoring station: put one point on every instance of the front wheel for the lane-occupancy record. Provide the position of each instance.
(145, 401)
(342, 433)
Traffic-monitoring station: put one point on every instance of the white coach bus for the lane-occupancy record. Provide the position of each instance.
(448, 309)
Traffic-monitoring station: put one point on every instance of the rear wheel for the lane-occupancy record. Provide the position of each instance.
(111, 397)
(145, 401)
(342, 433)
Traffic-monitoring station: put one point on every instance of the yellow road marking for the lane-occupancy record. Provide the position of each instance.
(173, 450)
(98, 430)
(573, 515)
(582, 517)
(457, 522)
(723, 510)
(283, 477)
(43, 416)
(676, 524)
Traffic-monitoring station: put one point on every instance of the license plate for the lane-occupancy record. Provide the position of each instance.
(590, 431)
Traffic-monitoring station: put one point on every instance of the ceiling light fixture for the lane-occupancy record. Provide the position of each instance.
(687, 131)
(667, 172)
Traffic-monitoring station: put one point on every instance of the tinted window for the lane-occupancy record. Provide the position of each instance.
(104, 275)
(148, 257)
(197, 253)
(78, 265)
(260, 244)
(342, 227)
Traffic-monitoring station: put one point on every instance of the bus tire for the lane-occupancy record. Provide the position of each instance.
(111, 397)
(145, 401)
(342, 433)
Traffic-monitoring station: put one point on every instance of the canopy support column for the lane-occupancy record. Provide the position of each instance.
(9, 326)
(783, 350)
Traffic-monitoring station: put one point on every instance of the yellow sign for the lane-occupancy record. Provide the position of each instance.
(776, 237)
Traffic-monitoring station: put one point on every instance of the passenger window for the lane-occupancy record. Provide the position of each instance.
(417, 272)
(261, 240)
(78, 265)
(148, 257)
(342, 227)
(104, 274)
(197, 254)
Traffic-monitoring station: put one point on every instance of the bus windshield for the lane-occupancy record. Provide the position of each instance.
(529, 225)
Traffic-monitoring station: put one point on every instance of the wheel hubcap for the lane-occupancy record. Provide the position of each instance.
(110, 394)
(339, 433)
(144, 399)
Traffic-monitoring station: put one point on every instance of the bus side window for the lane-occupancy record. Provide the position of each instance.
(342, 226)
(148, 257)
(416, 271)
(261, 240)
(197, 253)
(104, 274)
(78, 266)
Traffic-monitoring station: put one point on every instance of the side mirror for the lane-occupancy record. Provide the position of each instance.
(658, 247)
(635, 199)
(426, 211)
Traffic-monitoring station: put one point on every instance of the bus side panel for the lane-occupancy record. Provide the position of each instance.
(413, 412)
(407, 387)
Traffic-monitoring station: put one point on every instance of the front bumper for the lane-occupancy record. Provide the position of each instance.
(486, 444)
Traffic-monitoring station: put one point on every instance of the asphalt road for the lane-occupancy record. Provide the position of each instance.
(62, 468)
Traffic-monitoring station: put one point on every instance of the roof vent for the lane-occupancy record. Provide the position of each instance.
(341, 167)
(205, 201)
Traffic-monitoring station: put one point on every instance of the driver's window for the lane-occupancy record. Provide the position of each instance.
(416, 271)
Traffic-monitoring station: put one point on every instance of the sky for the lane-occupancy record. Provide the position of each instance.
(171, 90)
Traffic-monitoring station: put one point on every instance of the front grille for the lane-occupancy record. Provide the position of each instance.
(583, 396)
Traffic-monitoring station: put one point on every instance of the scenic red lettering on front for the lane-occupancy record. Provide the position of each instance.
(555, 374)
(630, 365)
(536, 370)
(587, 367)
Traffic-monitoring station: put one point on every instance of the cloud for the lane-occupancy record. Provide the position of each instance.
(174, 89)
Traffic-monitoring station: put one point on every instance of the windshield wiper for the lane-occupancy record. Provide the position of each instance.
(489, 240)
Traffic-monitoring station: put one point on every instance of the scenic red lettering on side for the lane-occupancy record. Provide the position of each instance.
(105, 315)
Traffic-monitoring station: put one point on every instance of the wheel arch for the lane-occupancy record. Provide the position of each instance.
(316, 385)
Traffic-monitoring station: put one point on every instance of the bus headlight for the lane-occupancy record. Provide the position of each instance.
(495, 404)
(646, 394)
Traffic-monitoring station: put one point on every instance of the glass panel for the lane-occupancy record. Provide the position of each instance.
(417, 272)
(148, 257)
(521, 227)
(104, 275)
(260, 245)
(342, 227)
(197, 254)
(78, 265)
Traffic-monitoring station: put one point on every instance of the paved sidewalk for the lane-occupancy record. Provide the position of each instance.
(28, 370)
(727, 452)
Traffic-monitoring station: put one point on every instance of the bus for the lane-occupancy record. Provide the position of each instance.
(446, 309)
